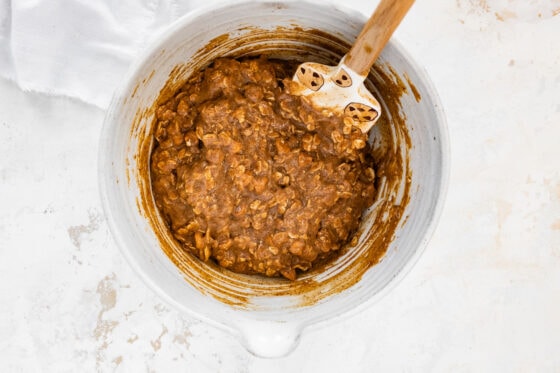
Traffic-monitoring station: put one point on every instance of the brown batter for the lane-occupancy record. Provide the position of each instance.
(255, 178)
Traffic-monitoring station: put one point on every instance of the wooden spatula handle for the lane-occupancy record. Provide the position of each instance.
(375, 34)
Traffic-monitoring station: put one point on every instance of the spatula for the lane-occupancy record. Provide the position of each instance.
(341, 88)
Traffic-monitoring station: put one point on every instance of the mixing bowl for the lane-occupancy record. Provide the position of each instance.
(410, 143)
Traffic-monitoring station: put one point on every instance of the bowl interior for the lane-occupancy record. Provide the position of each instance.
(410, 138)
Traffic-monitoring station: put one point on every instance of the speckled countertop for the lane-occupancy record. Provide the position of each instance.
(485, 296)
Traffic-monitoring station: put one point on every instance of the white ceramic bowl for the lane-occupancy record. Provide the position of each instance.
(268, 315)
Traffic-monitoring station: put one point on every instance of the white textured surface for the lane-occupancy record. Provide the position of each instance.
(484, 297)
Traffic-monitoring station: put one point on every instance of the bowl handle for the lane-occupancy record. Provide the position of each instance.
(269, 339)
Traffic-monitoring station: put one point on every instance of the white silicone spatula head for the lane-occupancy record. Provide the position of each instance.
(341, 88)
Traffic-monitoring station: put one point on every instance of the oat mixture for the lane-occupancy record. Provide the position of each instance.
(254, 178)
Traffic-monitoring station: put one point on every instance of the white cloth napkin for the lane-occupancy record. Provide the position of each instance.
(79, 48)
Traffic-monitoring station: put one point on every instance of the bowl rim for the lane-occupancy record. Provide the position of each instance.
(170, 31)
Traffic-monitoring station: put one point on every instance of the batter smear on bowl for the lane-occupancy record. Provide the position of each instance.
(254, 178)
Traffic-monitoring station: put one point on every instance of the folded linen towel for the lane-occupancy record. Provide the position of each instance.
(79, 48)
